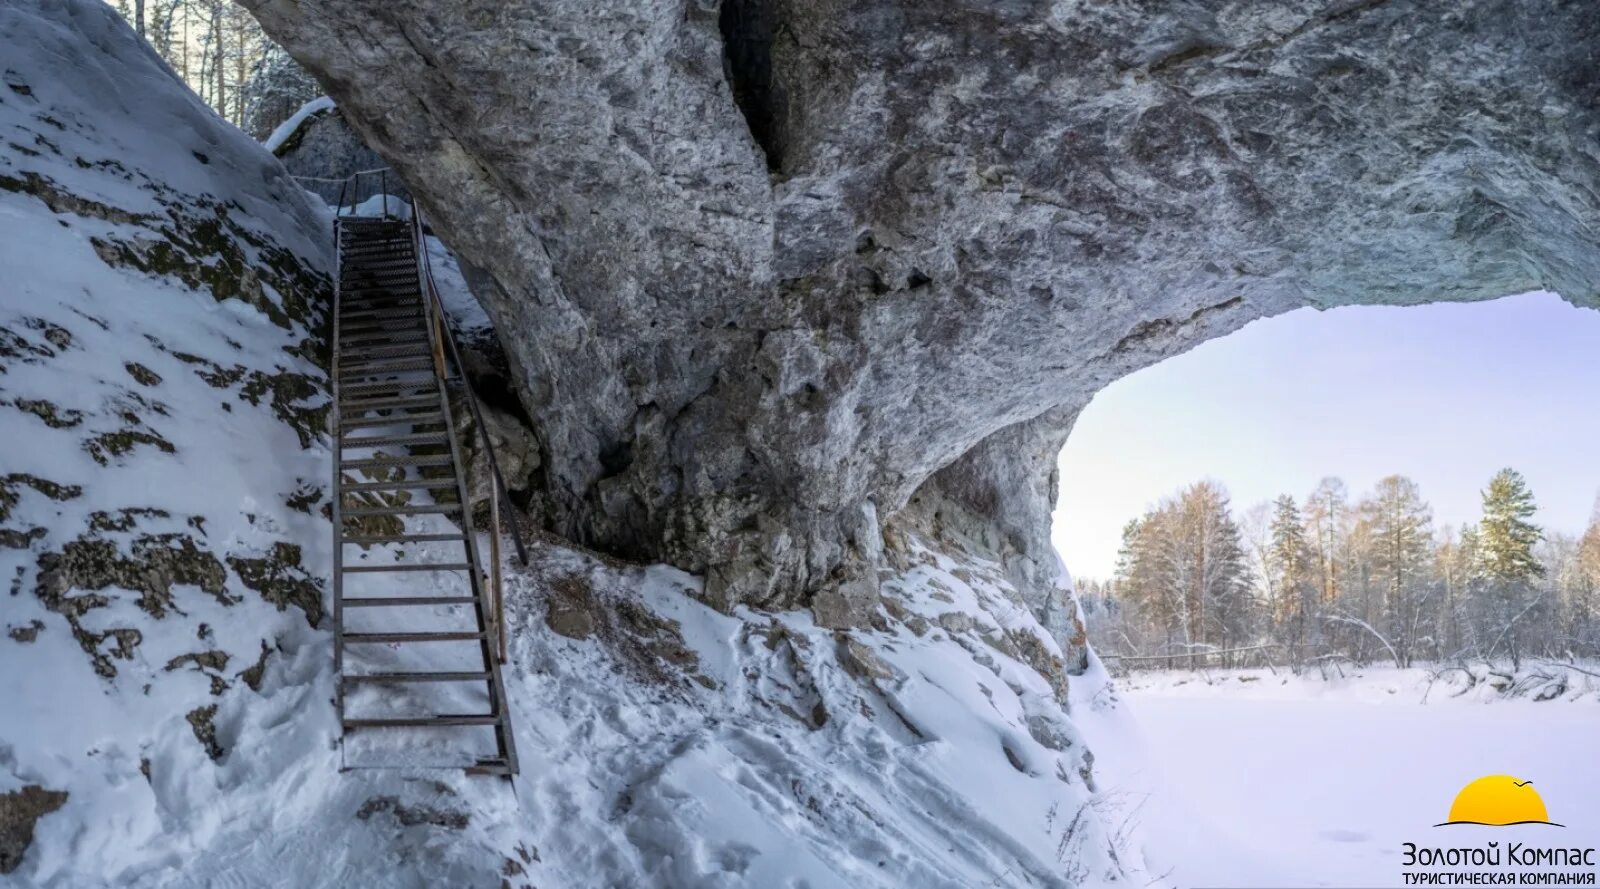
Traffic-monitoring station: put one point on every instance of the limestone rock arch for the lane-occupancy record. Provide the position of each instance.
(774, 273)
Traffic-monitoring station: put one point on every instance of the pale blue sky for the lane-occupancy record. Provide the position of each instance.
(1444, 393)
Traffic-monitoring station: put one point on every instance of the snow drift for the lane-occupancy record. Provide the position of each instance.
(165, 674)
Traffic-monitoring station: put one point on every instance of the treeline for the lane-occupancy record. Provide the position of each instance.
(223, 55)
(1325, 580)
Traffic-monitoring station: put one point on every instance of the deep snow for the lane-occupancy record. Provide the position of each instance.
(1279, 781)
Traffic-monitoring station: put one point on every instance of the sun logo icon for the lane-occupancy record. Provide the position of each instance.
(1498, 801)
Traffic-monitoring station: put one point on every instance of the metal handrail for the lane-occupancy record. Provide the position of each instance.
(461, 368)
(499, 496)
(351, 185)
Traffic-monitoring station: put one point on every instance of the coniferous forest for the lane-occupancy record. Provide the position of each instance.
(218, 49)
(1330, 580)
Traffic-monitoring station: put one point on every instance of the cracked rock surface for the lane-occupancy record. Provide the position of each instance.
(768, 270)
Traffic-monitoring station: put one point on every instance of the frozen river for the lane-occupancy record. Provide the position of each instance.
(1287, 784)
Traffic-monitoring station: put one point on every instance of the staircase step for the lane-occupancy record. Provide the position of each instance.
(416, 677)
(366, 388)
(364, 249)
(385, 300)
(403, 302)
(372, 272)
(348, 406)
(355, 296)
(404, 538)
(384, 365)
(407, 566)
(403, 313)
(394, 376)
(412, 637)
(405, 484)
(423, 509)
(404, 261)
(398, 260)
(371, 441)
(407, 420)
(363, 353)
(393, 284)
(422, 721)
(401, 601)
(357, 323)
(387, 387)
(400, 327)
(402, 460)
(400, 339)
(359, 333)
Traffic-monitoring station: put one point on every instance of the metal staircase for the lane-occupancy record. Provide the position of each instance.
(419, 643)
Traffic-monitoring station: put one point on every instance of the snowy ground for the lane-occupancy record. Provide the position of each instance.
(1281, 782)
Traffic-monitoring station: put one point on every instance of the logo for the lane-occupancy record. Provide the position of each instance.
(1518, 857)
(1498, 801)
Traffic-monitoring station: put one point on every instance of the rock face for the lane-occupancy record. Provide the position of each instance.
(769, 270)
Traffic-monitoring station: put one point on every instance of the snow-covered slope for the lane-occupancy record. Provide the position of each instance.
(165, 673)
(163, 284)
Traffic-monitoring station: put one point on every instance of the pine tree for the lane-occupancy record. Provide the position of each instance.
(1293, 579)
(1400, 524)
(1507, 538)
(1506, 560)
(1216, 568)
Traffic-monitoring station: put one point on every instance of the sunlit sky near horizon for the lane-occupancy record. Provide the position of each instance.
(1444, 393)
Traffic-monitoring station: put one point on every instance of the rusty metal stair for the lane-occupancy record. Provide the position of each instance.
(389, 389)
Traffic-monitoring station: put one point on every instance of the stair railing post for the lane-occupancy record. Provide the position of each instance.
(494, 564)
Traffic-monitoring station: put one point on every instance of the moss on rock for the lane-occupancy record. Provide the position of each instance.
(111, 445)
(285, 389)
(10, 493)
(28, 633)
(124, 519)
(142, 375)
(20, 810)
(156, 562)
(53, 416)
(253, 674)
(202, 720)
(281, 580)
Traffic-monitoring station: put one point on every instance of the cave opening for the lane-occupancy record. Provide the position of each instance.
(747, 32)
(1333, 417)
